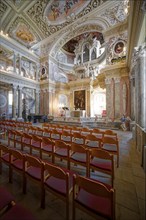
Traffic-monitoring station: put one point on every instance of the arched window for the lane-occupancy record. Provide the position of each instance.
(86, 53)
(93, 54)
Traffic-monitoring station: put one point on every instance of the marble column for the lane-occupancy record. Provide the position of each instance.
(14, 62)
(19, 64)
(108, 97)
(37, 102)
(142, 89)
(14, 104)
(132, 97)
(37, 72)
(117, 99)
(41, 102)
(20, 102)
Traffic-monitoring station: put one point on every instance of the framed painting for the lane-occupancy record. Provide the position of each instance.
(119, 46)
(79, 100)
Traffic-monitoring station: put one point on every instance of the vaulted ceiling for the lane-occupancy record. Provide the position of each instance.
(31, 23)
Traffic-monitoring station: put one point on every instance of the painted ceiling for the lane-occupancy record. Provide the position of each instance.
(33, 22)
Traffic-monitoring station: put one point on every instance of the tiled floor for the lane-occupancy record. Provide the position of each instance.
(129, 184)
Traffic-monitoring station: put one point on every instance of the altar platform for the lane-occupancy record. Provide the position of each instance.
(91, 122)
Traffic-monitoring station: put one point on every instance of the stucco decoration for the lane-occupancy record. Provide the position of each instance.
(116, 49)
(21, 31)
(36, 14)
(3, 101)
(117, 13)
(74, 33)
(3, 9)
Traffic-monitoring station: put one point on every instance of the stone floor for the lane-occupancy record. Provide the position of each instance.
(129, 184)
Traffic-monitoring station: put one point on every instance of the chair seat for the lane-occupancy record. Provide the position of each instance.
(5, 157)
(34, 172)
(47, 147)
(61, 152)
(18, 212)
(18, 164)
(101, 163)
(90, 201)
(110, 147)
(35, 144)
(59, 185)
(79, 157)
(6, 198)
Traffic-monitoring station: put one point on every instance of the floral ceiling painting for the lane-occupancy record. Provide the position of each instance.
(57, 11)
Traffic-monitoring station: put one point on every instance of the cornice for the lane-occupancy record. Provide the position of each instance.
(18, 80)
(14, 46)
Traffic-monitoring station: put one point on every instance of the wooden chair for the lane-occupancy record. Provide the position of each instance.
(4, 156)
(62, 150)
(78, 138)
(34, 170)
(31, 130)
(58, 181)
(35, 144)
(91, 141)
(110, 133)
(85, 131)
(18, 139)
(66, 136)
(39, 131)
(47, 132)
(101, 161)
(79, 155)
(98, 133)
(26, 141)
(55, 135)
(112, 146)
(11, 138)
(17, 162)
(6, 200)
(47, 147)
(93, 197)
(18, 211)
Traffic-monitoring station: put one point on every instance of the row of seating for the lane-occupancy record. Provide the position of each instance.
(10, 209)
(90, 158)
(40, 142)
(91, 195)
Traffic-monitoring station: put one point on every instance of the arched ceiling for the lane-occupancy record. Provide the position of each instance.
(38, 24)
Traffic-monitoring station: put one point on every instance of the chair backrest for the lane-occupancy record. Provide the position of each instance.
(92, 141)
(95, 192)
(78, 138)
(55, 135)
(66, 136)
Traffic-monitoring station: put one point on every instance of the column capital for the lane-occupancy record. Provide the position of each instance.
(108, 81)
(117, 79)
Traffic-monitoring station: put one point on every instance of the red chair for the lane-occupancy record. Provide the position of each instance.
(34, 170)
(58, 181)
(6, 199)
(35, 144)
(91, 141)
(4, 156)
(11, 138)
(47, 147)
(93, 197)
(112, 146)
(18, 139)
(17, 162)
(78, 138)
(79, 155)
(17, 211)
(62, 150)
(102, 161)
(26, 141)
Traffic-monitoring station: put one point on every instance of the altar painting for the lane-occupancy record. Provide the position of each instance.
(79, 100)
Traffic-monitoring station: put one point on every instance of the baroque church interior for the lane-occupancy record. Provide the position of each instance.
(78, 63)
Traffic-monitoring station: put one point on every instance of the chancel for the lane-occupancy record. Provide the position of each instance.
(71, 69)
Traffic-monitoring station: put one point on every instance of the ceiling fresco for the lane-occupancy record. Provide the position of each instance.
(70, 45)
(58, 11)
